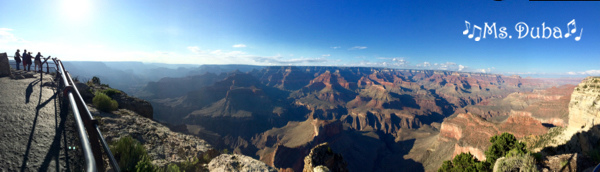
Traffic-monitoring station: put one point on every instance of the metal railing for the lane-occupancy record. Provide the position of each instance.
(13, 64)
(91, 138)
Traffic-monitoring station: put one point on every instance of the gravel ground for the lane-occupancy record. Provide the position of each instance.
(35, 133)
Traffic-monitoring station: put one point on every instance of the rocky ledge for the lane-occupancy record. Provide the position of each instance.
(236, 162)
(139, 106)
(163, 145)
(322, 157)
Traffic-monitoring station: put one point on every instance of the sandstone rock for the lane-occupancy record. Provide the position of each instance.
(4, 65)
(164, 146)
(471, 132)
(322, 155)
(584, 108)
(228, 162)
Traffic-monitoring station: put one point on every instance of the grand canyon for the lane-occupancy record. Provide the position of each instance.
(378, 119)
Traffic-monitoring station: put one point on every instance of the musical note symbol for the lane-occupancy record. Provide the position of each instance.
(579, 37)
(472, 34)
(466, 30)
(572, 31)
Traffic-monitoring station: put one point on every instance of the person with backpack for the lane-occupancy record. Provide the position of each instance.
(24, 59)
(18, 58)
(38, 62)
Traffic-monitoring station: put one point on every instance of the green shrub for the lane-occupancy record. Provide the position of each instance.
(190, 165)
(464, 162)
(95, 80)
(130, 154)
(502, 145)
(521, 162)
(104, 103)
(172, 168)
(145, 165)
(111, 92)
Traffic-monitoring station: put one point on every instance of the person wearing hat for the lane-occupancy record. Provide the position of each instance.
(18, 58)
(38, 62)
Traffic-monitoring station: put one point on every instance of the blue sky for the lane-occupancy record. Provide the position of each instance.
(400, 34)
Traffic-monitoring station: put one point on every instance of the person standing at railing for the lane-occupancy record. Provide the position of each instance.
(38, 62)
(18, 58)
(29, 61)
(24, 61)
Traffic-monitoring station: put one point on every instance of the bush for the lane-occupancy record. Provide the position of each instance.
(111, 92)
(464, 162)
(172, 168)
(502, 145)
(522, 162)
(145, 165)
(95, 80)
(190, 165)
(104, 103)
(131, 155)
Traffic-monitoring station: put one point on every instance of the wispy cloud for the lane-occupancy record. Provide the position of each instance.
(6, 36)
(278, 60)
(239, 46)
(194, 49)
(336, 47)
(587, 73)
(326, 55)
(358, 48)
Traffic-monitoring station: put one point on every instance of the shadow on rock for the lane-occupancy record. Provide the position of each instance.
(582, 151)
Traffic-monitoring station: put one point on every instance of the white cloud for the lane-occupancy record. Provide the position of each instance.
(194, 49)
(587, 72)
(278, 60)
(326, 55)
(239, 46)
(358, 48)
(336, 47)
(461, 67)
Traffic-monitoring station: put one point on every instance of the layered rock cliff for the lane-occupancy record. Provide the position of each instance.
(584, 108)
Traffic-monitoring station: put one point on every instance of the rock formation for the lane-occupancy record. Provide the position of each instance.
(139, 106)
(584, 108)
(388, 110)
(322, 155)
(164, 146)
(471, 133)
(235, 163)
(4, 65)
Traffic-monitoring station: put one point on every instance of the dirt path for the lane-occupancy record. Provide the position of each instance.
(34, 134)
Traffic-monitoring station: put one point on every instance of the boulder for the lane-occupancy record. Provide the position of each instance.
(139, 106)
(236, 162)
(4, 65)
(322, 155)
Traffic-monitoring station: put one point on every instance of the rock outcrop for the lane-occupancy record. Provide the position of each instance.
(236, 162)
(4, 65)
(322, 155)
(139, 106)
(583, 132)
(584, 108)
(164, 146)
(471, 133)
